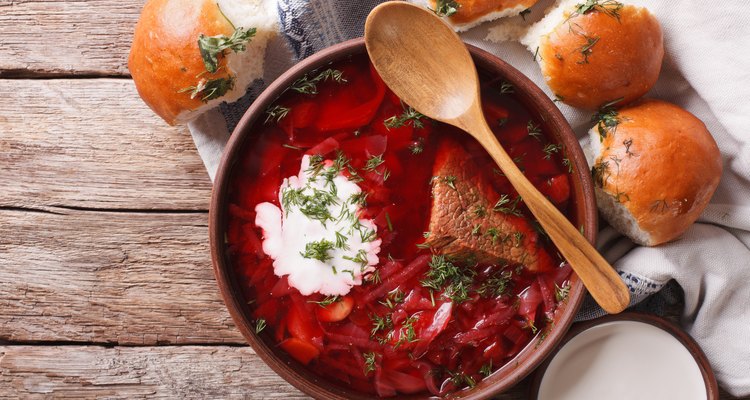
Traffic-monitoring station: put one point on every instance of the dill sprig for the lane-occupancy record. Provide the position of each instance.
(213, 47)
(550, 149)
(407, 333)
(380, 324)
(561, 293)
(608, 7)
(209, 89)
(534, 130)
(318, 250)
(307, 85)
(408, 115)
(496, 285)
(507, 206)
(276, 113)
(260, 324)
(369, 362)
(446, 8)
(373, 163)
(587, 48)
(327, 301)
(607, 119)
(453, 280)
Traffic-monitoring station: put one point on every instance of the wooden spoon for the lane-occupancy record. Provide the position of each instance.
(425, 63)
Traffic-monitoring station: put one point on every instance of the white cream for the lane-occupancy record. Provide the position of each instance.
(288, 231)
(623, 360)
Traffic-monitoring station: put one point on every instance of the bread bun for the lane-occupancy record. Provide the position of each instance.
(466, 14)
(166, 62)
(593, 53)
(655, 168)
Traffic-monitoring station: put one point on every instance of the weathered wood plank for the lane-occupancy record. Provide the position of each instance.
(86, 372)
(93, 143)
(125, 278)
(52, 37)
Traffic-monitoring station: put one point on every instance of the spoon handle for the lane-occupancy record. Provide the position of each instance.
(601, 280)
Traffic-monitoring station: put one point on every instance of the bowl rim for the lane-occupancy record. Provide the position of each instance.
(712, 387)
(531, 97)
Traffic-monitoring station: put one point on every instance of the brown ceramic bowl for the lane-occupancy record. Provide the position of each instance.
(531, 356)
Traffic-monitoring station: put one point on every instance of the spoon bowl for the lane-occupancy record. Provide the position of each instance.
(427, 65)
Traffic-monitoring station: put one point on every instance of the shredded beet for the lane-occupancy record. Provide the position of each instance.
(420, 322)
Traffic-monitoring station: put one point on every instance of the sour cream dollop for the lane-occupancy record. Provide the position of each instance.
(317, 237)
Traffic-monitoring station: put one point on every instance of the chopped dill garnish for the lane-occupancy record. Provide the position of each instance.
(607, 119)
(587, 48)
(450, 181)
(380, 323)
(493, 234)
(373, 162)
(446, 8)
(307, 85)
(327, 301)
(460, 379)
(480, 211)
(388, 220)
(453, 280)
(600, 173)
(507, 206)
(373, 277)
(409, 115)
(369, 362)
(276, 113)
(260, 324)
(519, 238)
(561, 293)
(289, 146)
(406, 332)
(608, 7)
(534, 130)
(425, 234)
(213, 47)
(393, 298)
(209, 89)
(318, 250)
(360, 258)
(506, 87)
(551, 148)
(341, 241)
(496, 285)
(475, 230)
(566, 162)
(417, 147)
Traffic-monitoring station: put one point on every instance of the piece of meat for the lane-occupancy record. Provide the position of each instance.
(463, 223)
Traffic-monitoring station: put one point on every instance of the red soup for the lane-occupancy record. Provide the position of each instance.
(452, 275)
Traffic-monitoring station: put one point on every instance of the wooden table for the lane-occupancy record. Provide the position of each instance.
(106, 287)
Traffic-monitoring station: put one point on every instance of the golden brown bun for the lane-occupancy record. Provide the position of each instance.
(165, 60)
(655, 171)
(471, 13)
(593, 58)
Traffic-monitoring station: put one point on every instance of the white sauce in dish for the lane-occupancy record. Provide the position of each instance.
(317, 237)
(623, 360)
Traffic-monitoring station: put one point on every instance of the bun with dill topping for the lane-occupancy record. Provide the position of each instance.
(655, 167)
(188, 56)
(595, 51)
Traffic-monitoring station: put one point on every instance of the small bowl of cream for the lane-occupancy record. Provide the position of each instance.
(627, 356)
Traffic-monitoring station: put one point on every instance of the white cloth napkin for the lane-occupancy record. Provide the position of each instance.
(706, 70)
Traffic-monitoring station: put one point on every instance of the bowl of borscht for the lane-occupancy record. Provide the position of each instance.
(364, 250)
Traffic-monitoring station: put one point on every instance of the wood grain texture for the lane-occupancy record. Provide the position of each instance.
(124, 278)
(83, 372)
(93, 143)
(58, 37)
(86, 372)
